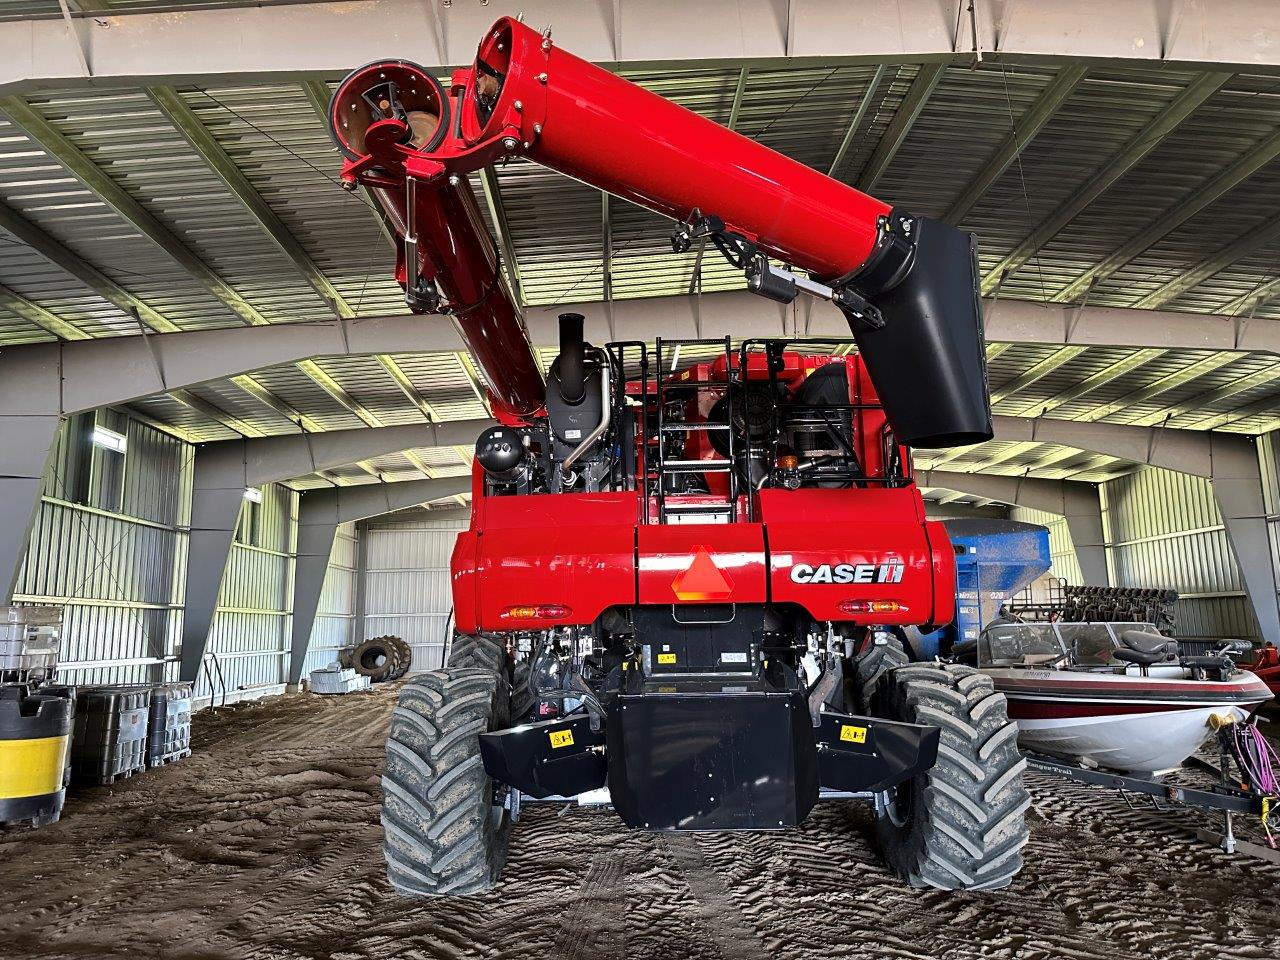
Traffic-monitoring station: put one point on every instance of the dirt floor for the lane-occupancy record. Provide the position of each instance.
(265, 844)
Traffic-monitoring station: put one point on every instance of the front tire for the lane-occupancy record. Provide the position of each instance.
(962, 824)
(444, 835)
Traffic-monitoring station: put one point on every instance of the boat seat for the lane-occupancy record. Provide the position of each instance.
(1145, 649)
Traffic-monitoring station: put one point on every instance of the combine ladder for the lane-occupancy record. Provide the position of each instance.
(674, 508)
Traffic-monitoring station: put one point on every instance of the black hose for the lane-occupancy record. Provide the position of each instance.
(572, 362)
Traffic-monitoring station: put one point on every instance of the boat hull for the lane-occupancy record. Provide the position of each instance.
(1131, 724)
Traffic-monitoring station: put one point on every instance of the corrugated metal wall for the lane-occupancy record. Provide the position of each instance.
(406, 582)
(1163, 529)
(1062, 552)
(335, 619)
(116, 572)
(251, 629)
(109, 546)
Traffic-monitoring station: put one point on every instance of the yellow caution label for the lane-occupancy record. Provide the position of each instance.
(666, 658)
(32, 768)
(668, 689)
(561, 738)
(852, 734)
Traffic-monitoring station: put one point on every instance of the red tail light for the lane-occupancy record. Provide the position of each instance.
(549, 611)
(872, 606)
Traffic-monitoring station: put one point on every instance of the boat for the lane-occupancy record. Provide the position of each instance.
(1116, 696)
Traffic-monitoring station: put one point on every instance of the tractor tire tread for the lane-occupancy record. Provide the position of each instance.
(440, 833)
(965, 824)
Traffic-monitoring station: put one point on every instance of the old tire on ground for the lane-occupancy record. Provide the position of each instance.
(376, 659)
(871, 663)
(442, 833)
(478, 650)
(403, 657)
(961, 825)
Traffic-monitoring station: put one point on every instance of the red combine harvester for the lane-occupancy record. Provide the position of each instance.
(684, 586)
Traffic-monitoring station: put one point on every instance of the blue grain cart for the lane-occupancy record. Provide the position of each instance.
(994, 560)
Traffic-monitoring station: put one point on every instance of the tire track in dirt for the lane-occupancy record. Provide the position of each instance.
(266, 845)
(589, 927)
(734, 937)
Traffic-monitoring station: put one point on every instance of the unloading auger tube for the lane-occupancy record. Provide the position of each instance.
(907, 285)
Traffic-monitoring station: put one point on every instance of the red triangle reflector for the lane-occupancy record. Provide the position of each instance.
(703, 580)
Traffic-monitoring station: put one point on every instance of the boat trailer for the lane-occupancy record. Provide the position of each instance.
(1228, 796)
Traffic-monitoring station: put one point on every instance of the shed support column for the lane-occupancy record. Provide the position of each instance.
(317, 529)
(216, 501)
(24, 460)
(1082, 509)
(1237, 488)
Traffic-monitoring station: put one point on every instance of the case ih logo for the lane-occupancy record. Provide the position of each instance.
(847, 573)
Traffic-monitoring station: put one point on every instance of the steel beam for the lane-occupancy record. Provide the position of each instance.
(320, 512)
(606, 249)
(1025, 321)
(51, 379)
(42, 383)
(54, 142)
(899, 128)
(739, 92)
(211, 45)
(1146, 140)
(1260, 236)
(175, 109)
(1246, 166)
(1228, 461)
(1037, 372)
(28, 444)
(498, 213)
(873, 85)
(1032, 121)
(66, 259)
(223, 471)
(1077, 503)
(32, 312)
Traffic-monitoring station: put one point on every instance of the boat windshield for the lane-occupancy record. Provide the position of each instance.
(1090, 643)
(1019, 645)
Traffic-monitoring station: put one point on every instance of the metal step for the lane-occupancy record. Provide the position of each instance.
(729, 508)
(696, 466)
(682, 427)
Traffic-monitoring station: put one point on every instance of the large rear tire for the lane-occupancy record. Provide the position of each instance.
(871, 663)
(444, 835)
(962, 824)
(479, 650)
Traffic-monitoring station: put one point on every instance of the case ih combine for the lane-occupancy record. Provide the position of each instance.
(684, 586)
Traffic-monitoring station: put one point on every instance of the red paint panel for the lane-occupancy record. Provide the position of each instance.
(702, 563)
(867, 530)
(464, 583)
(575, 550)
(944, 573)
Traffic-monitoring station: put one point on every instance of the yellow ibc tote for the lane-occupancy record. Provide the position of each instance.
(35, 736)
